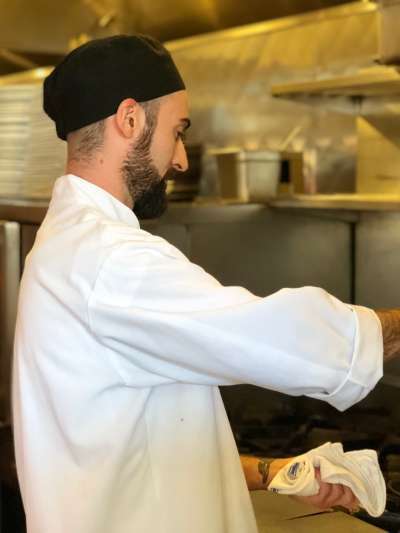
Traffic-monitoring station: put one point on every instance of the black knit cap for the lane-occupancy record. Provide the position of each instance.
(91, 81)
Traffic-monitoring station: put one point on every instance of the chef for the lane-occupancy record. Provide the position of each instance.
(121, 342)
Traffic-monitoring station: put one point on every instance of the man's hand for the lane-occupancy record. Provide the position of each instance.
(330, 495)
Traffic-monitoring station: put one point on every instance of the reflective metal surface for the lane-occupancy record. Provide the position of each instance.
(9, 283)
(35, 75)
(47, 26)
(370, 81)
(377, 262)
(389, 46)
(229, 76)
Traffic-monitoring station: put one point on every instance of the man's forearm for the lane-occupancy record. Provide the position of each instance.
(390, 321)
(254, 477)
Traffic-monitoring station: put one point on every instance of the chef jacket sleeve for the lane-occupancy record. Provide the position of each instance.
(163, 319)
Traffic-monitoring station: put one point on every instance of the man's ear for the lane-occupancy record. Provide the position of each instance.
(128, 118)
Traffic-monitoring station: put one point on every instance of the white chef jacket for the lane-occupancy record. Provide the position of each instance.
(121, 343)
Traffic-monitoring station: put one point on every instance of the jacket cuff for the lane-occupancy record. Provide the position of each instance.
(366, 366)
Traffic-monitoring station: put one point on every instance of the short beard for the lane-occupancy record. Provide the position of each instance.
(147, 188)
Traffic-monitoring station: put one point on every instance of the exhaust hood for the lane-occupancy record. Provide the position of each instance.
(38, 32)
(372, 81)
(380, 80)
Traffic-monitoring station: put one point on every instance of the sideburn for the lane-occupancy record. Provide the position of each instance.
(144, 183)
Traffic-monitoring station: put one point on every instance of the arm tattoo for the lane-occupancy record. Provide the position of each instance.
(263, 469)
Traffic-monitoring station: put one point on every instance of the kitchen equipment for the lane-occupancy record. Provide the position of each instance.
(254, 176)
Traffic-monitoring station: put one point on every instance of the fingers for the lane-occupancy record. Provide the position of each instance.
(349, 500)
(333, 495)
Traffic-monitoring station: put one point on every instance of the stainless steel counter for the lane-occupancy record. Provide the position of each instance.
(350, 202)
(281, 514)
(32, 212)
(25, 211)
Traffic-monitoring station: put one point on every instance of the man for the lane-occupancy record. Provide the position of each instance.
(121, 342)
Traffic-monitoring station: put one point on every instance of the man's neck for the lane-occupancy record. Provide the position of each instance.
(98, 172)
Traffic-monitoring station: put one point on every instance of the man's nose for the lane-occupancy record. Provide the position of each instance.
(180, 160)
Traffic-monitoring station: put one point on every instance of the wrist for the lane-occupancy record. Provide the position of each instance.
(268, 468)
(275, 466)
(258, 476)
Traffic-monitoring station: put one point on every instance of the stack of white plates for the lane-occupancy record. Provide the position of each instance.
(31, 155)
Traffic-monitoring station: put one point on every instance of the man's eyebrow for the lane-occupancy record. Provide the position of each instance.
(185, 122)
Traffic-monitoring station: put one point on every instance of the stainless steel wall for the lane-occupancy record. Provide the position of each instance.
(229, 75)
(378, 260)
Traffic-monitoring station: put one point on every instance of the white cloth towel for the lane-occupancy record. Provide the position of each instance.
(358, 470)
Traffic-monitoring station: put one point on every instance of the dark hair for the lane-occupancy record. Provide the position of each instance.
(90, 138)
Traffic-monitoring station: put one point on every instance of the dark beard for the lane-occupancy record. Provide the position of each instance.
(147, 188)
(153, 202)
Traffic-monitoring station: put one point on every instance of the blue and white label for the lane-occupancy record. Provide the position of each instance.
(295, 470)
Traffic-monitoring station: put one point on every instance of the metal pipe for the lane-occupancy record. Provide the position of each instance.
(17, 59)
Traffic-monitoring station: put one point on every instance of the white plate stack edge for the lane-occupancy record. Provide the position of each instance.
(31, 155)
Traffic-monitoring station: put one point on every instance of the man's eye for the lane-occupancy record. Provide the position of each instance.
(181, 135)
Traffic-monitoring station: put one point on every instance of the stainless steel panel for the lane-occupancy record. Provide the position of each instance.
(377, 270)
(378, 260)
(389, 47)
(276, 250)
(175, 234)
(9, 284)
(28, 235)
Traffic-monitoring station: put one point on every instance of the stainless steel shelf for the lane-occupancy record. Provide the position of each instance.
(374, 81)
(351, 202)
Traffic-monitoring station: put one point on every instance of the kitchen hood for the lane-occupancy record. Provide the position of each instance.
(37, 32)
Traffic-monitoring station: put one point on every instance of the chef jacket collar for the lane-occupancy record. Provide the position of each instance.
(108, 204)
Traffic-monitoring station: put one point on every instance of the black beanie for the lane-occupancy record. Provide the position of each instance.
(91, 81)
